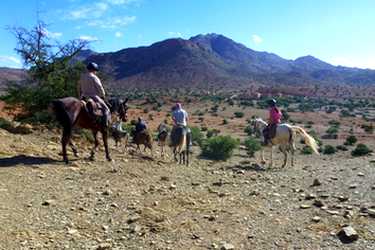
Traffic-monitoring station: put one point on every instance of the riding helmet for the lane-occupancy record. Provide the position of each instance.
(92, 66)
(272, 102)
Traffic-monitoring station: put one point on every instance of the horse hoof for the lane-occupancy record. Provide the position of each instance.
(110, 159)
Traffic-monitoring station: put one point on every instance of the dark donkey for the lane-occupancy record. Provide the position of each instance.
(71, 112)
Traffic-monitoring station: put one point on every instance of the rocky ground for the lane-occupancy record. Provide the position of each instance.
(139, 202)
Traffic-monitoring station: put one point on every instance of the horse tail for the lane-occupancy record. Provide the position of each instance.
(309, 140)
(62, 116)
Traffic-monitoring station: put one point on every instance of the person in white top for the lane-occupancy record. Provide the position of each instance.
(90, 86)
(179, 116)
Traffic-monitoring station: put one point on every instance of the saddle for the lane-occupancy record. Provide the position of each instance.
(95, 110)
(269, 132)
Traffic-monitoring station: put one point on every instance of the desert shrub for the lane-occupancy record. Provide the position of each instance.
(130, 128)
(5, 124)
(204, 128)
(249, 130)
(368, 128)
(38, 117)
(146, 110)
(225, 121)
(306, 150)
(350, 140)
(219, 147)
(252, 145)
(332, 130)
(346, 113)
(239, 114)
(330, 109)
(329, 150)
(285, 115)
(87, 135)
(196, 135)
(361, 150)
(334, 123)
(341, 148)
(212, 132)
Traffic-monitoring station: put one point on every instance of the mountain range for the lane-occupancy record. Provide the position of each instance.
(214, 60)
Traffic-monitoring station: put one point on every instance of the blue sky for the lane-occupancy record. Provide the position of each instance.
(340, 32)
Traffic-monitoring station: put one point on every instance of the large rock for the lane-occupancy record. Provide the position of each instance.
(347, 234)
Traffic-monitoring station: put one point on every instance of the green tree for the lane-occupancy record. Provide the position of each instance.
(51, 71)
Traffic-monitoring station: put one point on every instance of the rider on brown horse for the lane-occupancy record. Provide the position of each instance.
(91, 88)
(274, 119)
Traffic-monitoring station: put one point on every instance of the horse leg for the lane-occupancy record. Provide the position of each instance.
(271, 156)
(175, 154)
(67, 132)
(187, 157)
(293, 149)
(285, 152)
(105, 141)
(74, 148)
(96, 144)
(263, 161)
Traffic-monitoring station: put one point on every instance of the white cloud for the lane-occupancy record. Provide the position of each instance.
(119, 34)
(174, 34)
(257, 39)
(86, 12)
(89, 38)
(363, 62)
(10, 60)
(113, 22)
(121, 2)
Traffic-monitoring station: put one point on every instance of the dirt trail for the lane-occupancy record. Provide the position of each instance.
(139, 203)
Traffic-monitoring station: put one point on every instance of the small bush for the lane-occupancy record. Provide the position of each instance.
(196, 135)
(306, 150)
(212, 132)
(239, 114)
(225, 121)
(342, 148)
(361, 150)
(329, 150)
(350, 140)
(252, 145)
(219, 147)
(368, 128)
(5, 124)
(332, 130)
(87, 135)
(249, 130)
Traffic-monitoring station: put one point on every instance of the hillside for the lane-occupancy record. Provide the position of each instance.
(10, 75)
(216, 60)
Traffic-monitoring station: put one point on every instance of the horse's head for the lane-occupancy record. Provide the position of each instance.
(120, 107)
(258, 126)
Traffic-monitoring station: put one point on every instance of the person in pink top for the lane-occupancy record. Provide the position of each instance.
(274, 119)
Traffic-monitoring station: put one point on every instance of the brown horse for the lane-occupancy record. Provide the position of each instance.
(71, 112)
(144, 138)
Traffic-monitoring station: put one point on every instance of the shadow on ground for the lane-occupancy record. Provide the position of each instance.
(25, 160)
(252, 167)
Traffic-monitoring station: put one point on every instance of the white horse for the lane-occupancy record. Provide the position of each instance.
(285, 137)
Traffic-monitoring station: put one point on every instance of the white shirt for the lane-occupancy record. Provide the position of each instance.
(180, 116)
